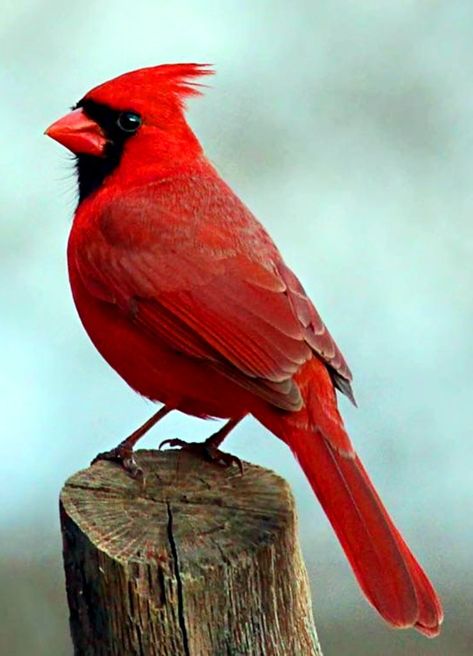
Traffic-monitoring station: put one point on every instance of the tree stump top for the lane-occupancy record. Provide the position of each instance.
(216, 511)
(198, 561)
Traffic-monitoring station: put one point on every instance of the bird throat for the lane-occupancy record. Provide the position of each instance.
(92, 171)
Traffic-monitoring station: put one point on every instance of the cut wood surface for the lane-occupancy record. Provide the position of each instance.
(198, 561)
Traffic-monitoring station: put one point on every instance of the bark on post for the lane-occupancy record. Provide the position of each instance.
(199, 562)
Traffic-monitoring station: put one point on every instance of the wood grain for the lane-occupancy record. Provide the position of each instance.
(200, 561)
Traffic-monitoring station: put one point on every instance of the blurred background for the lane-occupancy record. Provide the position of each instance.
(347, 127)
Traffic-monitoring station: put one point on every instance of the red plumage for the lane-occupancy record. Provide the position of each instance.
(385, 568)
(186, 296)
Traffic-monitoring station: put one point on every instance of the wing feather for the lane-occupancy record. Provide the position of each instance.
(188, 262)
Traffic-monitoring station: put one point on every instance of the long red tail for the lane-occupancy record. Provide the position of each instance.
(387, 571)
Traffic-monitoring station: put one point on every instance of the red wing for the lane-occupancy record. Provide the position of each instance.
(191, 265)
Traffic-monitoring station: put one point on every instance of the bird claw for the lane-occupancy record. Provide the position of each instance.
(205, 450)
(172, 443)
(124, 457)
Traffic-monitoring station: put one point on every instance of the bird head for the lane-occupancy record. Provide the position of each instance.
(136, 119)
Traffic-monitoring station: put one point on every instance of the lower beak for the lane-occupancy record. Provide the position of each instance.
(79, 133)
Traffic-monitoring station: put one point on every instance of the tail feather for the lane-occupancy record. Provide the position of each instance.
(430, 614)
(387, 571)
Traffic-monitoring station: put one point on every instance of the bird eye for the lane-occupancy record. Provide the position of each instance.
(129, 121)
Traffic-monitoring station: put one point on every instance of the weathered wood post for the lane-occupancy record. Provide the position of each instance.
(201, 561)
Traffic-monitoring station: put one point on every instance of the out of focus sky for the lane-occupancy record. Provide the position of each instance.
(347, 127)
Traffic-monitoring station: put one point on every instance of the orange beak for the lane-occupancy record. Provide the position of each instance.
(79, 133)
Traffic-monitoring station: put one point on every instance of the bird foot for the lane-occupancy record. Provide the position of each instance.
(205, 450)
(124, 457)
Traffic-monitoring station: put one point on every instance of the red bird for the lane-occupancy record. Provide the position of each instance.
(186, 296)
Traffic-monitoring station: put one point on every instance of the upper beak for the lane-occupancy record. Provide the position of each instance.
(79, 133)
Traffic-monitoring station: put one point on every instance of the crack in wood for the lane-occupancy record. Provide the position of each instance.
(180, 590)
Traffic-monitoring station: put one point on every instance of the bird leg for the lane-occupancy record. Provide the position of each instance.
(123, 453)
(209, 450)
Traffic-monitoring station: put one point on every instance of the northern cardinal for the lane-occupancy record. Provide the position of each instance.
(185, 295)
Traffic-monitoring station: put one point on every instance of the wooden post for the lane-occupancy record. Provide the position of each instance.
(201, 561)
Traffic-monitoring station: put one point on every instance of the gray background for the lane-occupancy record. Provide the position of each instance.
(347, 127)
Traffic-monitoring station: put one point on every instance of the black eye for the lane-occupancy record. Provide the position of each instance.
(129, 121)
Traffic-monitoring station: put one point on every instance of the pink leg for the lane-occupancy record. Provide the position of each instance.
(209, 449)
(123, 453)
